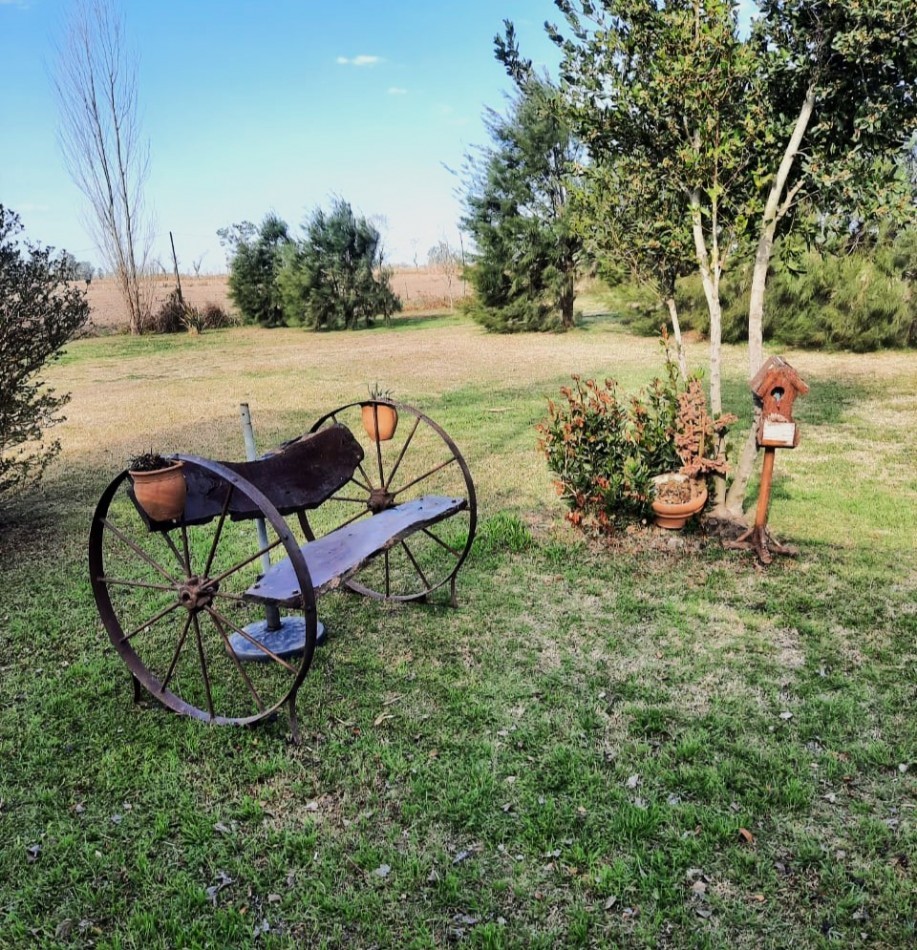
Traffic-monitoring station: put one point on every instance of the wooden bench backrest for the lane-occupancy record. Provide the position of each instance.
(298, 476)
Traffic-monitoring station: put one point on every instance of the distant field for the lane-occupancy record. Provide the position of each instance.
(419, 289)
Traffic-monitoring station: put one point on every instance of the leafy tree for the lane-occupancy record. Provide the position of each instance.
(255, 260)
(517, 211)
(40, 310)
(808, 112)
(335, 276)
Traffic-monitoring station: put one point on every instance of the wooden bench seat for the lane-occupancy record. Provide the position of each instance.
(337, 556)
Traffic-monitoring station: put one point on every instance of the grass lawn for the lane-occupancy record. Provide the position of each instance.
(626, 746)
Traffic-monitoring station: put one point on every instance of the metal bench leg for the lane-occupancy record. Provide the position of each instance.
(453, 599)
(136, 684)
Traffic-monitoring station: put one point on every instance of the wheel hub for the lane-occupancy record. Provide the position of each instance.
(380, 500)
(196, 593)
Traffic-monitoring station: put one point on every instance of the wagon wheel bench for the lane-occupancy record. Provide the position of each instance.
(208, 626)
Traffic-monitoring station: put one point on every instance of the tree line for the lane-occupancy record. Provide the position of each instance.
(332, 277)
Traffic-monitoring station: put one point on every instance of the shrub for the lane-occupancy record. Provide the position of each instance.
(604, 448)
(40, 311)
(334, 278)
(858, 300)
(169, 318)
(255, 256)
(217, 317)
(177, 316)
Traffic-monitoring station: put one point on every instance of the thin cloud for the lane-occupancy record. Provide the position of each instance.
(397, 91)
(361, 60)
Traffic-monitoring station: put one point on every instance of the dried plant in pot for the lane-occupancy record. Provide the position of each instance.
(158, 485)
(680, 495)
(380, 417)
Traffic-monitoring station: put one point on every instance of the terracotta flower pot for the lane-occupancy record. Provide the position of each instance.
(678, 498)
(161, 494)
(385, 415)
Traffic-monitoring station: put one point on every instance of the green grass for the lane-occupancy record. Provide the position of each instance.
(572, 758)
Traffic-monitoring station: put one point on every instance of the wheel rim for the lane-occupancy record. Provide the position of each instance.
(172, 604)
(421, 459)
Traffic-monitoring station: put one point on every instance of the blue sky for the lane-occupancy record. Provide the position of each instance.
(276, 105)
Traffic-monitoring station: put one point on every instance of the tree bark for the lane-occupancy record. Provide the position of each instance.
(774, 210)
(710, 279)
(776, 207)
(676, 332)
(567, 299)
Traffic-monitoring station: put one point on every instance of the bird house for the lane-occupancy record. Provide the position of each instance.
(776, 385)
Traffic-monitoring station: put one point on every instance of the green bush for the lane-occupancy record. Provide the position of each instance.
(41, 309)
(604, 447)
(255, 256)
(333, 278)
(859, 300)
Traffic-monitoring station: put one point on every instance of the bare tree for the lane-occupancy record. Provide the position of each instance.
(448, 261)
(99, 133)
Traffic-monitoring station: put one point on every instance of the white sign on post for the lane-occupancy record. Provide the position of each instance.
(778, 434)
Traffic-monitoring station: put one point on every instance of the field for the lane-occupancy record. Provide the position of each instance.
(419, 288)
(652, 743)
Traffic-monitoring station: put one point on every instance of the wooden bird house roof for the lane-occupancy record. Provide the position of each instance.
(777, 372)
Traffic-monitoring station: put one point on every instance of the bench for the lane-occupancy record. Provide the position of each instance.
(214, 612)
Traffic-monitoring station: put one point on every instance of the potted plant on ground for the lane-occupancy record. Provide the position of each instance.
(380, 417)
(159, 485)
(677, 496)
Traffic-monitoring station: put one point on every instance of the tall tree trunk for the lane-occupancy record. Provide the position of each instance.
(676, 332)
(778, 204)
(775, 208)
(710, 279)
(568, 296)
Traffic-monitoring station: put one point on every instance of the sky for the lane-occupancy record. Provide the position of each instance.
(257, 106)
(277, 105)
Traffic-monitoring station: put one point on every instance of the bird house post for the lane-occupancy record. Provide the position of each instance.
(775, 387)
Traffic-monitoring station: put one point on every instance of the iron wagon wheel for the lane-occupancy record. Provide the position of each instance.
(174, 605)
(420, 459)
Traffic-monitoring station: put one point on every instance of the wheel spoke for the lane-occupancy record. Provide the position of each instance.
(441, 543)
(404, 449)
(248, 560)
(182, 562)
(236, 598)
(250, 638)
(203, 659)
(138, 550)
(420, 478)
(359, 484)
(356, 501)
(120, 582)
(186, 547)
(417, 567)
(369, 482)
(378, 442)
(218, 532)
(149, 623)
(258, 701)
(174, 663)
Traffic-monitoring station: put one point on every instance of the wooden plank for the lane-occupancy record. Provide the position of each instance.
(339, 555)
